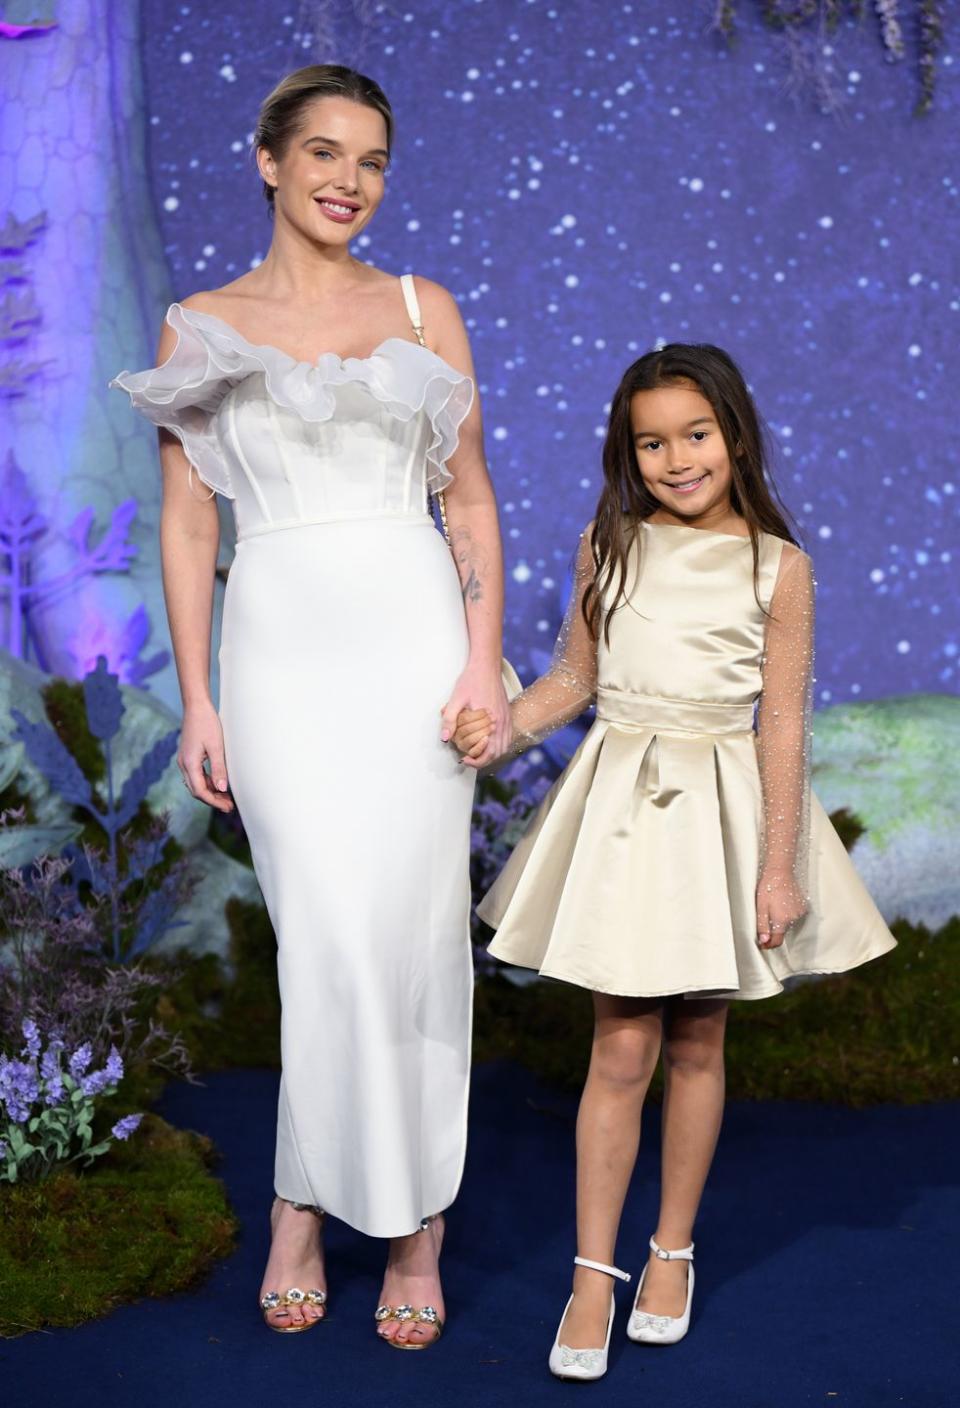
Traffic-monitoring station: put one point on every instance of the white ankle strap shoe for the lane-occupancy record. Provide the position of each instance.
(568, 1363)
(644, 1328)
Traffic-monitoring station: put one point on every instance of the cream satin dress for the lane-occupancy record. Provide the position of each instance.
(638, 874)
(343, 602)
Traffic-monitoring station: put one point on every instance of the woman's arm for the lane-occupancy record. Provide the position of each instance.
(189, 540)
(784, 747)
(474, 530)
(567, 688)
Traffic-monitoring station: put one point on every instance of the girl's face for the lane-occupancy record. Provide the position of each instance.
(683, 458)
(329, 181)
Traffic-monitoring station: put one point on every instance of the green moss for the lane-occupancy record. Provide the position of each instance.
(147, 1219)
(885, 1032)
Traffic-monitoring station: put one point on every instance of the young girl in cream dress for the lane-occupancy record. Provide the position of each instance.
(680, 860)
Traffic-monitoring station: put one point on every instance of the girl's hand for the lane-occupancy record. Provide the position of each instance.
(480, 688)
(474, 727)
(201, 741)
(780, 903)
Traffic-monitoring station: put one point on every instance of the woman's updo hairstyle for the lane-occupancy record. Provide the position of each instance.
(281, 111)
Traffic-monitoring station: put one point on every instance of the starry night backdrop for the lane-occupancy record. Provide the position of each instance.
(588, 180)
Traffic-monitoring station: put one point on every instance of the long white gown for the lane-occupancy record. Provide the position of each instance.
(343, 634)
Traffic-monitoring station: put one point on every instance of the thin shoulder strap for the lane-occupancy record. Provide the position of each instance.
(413, 306)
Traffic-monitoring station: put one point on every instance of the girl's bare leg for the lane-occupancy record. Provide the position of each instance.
(626, 1047)
(692, 1113)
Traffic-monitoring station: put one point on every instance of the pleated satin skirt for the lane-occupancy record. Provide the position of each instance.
(341, 643)
(638, 874)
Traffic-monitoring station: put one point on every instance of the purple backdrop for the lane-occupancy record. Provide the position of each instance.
(588, 180)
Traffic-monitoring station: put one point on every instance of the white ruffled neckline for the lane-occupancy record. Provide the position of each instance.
(257, 348)
(211, 356)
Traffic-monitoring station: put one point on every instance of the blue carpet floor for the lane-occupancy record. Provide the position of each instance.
(826, 1275)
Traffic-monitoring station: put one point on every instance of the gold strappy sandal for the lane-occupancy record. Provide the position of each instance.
(273, 1300)
(425, 1315)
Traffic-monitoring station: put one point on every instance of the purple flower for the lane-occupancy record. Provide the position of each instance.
(50, 1073)
(114, 1066)
(19, 1088)
(125, 1127)
(80, 1060)
(112, 1073)
(32, 1035)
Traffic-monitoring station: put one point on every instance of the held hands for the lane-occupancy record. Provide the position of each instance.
(201, 740)
(479, 690)
(780, 903)
(472, 733)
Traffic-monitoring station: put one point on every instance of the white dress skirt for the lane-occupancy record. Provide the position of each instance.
(343, 635)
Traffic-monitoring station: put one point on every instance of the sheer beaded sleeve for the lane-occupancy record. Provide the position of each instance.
(784, 730)
(570, 684)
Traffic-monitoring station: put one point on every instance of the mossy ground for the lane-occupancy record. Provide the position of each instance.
(147, 1219)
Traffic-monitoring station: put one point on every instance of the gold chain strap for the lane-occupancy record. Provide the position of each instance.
(438, 496)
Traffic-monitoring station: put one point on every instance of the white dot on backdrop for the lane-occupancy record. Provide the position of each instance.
(665, 297)
(825, 222)
(825, 531)
(209, 249)
(521, 573)
(696, 184)
(466, 97)
(568, 221)
(500, 433)
(571, 281)
(914, 349)
(903, 647)
(877, 575)
(413, 225)
(170, 203)
(186, 57)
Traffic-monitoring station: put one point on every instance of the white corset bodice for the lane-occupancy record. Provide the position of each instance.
(297, 442)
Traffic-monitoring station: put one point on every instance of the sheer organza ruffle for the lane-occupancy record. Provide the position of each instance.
(210, 358)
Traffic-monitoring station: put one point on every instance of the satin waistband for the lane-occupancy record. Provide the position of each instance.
(283, 525)
(649, 711)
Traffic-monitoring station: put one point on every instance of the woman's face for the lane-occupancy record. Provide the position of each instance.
(683, 458)
(330, 180)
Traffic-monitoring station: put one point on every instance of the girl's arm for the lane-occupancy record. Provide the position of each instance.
(567, 688)
(474, 530)
(784, 749)
(189, 539)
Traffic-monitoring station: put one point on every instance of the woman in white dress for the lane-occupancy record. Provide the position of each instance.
(326, 399)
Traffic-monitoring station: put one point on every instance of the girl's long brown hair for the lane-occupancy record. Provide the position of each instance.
(625, 500)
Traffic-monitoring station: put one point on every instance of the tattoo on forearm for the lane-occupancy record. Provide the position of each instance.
(471, 564)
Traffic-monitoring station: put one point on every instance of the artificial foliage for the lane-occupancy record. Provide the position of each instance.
(48, 1106)
(148, 1219)
(140, 907)
(809, 26)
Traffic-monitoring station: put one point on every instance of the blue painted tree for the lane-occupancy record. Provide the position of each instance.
(142, 904)
(24, 532)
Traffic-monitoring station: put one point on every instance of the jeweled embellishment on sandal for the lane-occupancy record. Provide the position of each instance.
(270, 1301)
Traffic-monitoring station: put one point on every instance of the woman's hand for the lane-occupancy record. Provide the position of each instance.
(201, 741)
(480, 688)
(780, 903)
